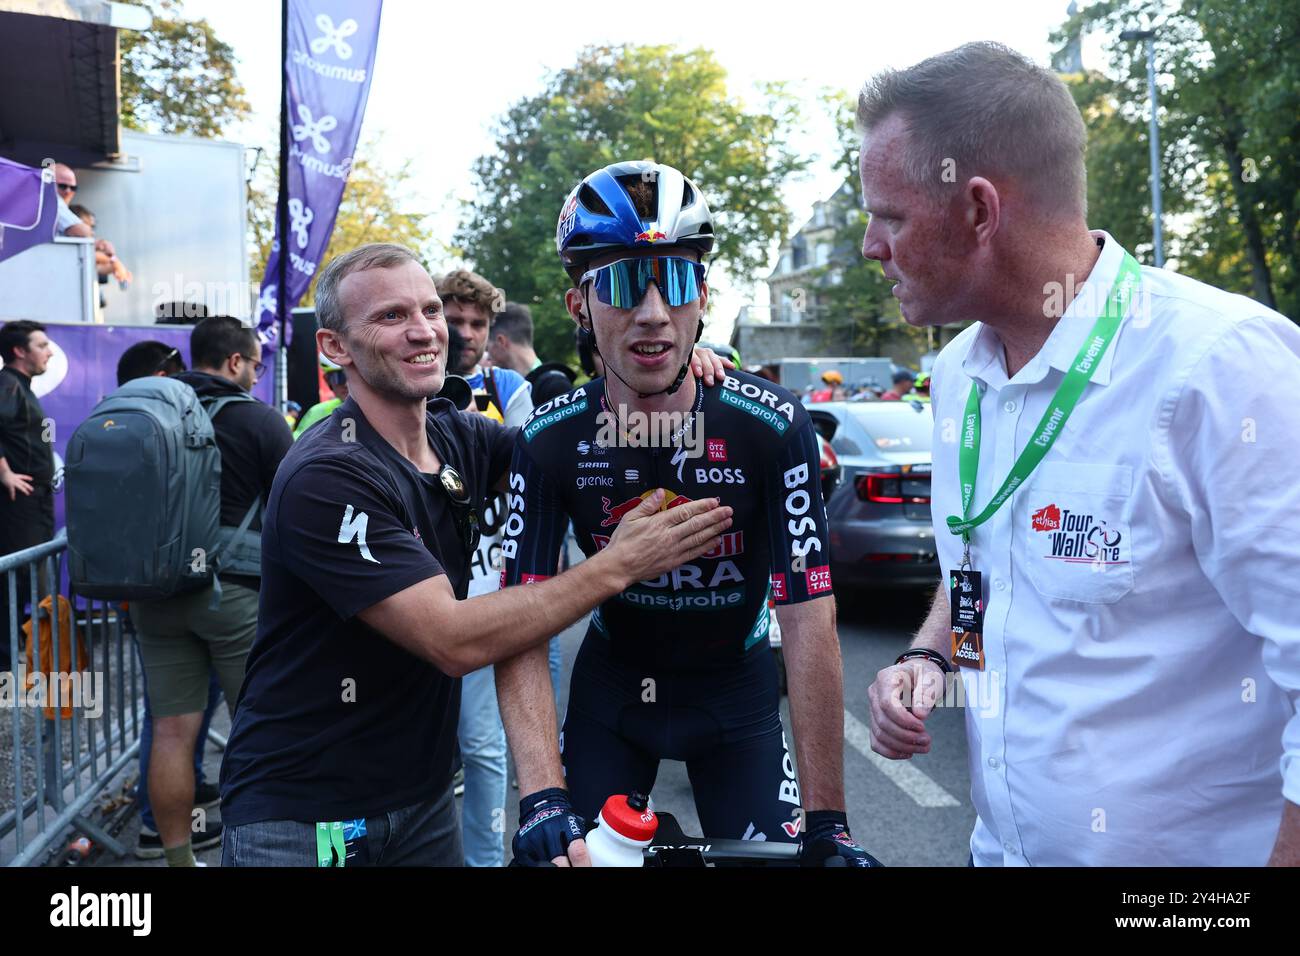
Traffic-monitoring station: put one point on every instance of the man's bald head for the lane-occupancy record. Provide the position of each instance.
(65, 181)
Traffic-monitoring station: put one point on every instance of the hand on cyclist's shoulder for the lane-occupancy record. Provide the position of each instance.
(550, 832)
(826, 835)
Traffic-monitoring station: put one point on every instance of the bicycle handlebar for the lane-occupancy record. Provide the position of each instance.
(672, 847)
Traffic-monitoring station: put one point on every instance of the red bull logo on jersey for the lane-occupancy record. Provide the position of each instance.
(616, 513)
(654, 235)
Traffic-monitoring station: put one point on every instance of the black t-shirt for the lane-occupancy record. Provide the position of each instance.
(22, 444)
(335, 721)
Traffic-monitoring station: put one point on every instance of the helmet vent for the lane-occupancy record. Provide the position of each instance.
(591, 200)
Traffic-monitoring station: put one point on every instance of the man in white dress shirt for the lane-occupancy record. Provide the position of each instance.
(1114, 496)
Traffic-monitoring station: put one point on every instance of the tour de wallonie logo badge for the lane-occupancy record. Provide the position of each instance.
(1078, 537)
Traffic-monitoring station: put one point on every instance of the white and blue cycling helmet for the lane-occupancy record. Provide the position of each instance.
(599, 214)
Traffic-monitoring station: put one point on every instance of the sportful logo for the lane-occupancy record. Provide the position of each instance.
(355, 528)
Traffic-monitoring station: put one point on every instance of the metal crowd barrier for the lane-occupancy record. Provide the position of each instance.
(103, 738)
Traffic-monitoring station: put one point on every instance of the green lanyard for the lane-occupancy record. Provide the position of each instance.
(330, 848)
(1049, 426)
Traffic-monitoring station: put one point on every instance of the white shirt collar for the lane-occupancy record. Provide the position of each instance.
(985, 362)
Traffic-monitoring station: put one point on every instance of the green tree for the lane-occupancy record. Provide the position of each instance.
(853, 299)
(619, 103)
(1229, 131)
(178, 76)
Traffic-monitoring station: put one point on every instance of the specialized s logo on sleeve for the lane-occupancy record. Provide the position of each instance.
(353, 528)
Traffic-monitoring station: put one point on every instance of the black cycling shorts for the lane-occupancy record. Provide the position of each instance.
(622, 719)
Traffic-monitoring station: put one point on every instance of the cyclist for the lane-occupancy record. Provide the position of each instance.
(830, 381)
(677, 666)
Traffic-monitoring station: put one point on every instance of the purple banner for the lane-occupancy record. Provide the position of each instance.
(330, 60)
(29, 207)
(82, 370)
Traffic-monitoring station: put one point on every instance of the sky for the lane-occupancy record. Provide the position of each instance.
(445, 72)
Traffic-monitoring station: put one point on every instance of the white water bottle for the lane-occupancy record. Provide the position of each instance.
(624, 828)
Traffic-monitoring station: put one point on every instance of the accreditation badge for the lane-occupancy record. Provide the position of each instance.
(966, 601)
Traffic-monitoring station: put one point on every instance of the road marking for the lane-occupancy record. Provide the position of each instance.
(913, 782)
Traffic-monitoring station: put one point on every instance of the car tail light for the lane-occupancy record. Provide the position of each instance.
(893, 488)
(829, 458)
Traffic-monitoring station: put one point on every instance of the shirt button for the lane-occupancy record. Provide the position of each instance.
(1000, 584)
(1009, 406)
(994, 763)
(1010, 849)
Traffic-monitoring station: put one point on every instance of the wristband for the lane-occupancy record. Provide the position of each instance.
(814, 820)
(933, 656)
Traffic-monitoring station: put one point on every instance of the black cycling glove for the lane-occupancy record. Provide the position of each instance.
(547, 825)
(826, 837)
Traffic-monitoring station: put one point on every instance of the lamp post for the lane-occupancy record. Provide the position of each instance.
(1156, 235)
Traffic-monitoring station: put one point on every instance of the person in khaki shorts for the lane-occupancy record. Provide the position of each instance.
(182, 637)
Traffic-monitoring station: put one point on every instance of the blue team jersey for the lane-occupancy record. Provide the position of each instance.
(748, 442)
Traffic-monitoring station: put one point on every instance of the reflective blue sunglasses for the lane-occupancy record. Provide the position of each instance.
(623, 284)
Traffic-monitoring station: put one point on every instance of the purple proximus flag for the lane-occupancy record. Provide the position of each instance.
(330, 59)
(29, 207)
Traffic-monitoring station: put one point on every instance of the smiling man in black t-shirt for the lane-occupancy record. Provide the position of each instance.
(342, 744)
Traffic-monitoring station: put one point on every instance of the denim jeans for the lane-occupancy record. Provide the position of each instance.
(424, 834)
(146, 745)
(483, 750)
